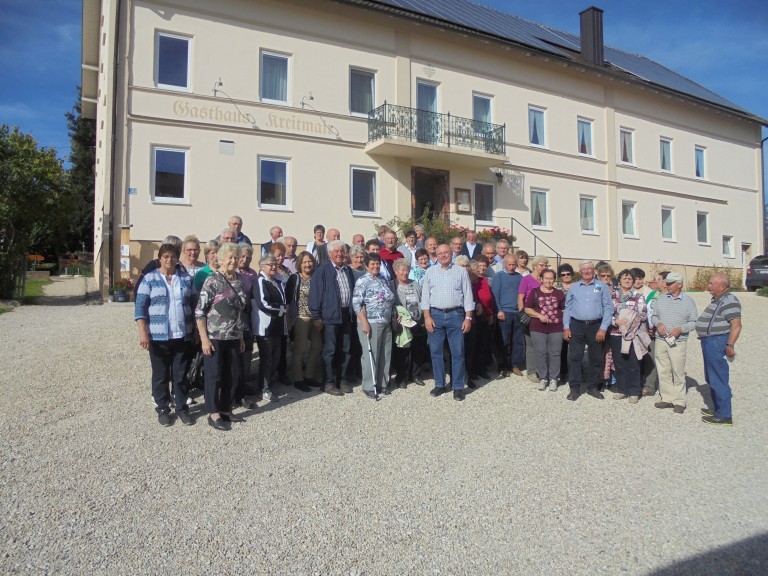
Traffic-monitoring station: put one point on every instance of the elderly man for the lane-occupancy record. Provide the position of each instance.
(372, 246)
(489, 251)
(456, 245)
(235, 223)
(719, 327)
(389, 253)
(431, 247)
(471, 248)
(358, 240)
(588, 314)
(502, 247)
(274, 235)
(674, 316)
(333, 234)
(504, 287)
(448, 306)
(330, 305)
(289, 260)
(227, 235)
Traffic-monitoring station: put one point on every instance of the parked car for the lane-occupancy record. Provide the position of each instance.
(757, 273)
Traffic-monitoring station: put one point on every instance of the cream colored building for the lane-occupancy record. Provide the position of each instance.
(260, 108)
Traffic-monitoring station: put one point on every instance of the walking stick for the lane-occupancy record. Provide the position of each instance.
(373, 365)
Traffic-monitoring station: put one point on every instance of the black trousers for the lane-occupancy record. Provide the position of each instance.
(222, 372)
(269, 361)
(169, 357)
(584, 335)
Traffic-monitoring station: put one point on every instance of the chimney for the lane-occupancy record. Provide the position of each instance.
(592, 35)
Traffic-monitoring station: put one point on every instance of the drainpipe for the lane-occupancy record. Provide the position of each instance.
(113, 183)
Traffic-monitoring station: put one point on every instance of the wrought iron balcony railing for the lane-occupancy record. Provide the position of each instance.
(411, 124)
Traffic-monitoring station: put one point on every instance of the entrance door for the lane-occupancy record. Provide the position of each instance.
(430, 193)
(427, 118)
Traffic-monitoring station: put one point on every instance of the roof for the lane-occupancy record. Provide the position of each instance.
(484, 20)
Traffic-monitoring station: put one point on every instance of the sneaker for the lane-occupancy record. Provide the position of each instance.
(619, 396)
(437, 391)
(634, 399)
(346, 388)
(553, 385)
(664, 405)
(165, 419)
(707, 412)
(717, 420)
(458, 395)
(533, 378)
(185, 418)
(543, 385)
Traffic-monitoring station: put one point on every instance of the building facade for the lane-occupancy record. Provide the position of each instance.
(348, 113)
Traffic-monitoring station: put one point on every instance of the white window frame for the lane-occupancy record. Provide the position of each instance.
(372, 73)
(629, 131)
(287, 58)
(706, 220)
(543, 133)
(158, 84)
(482, 96)
(730, 253)
(593, 200)
(590, 123)
(546, 225)
(636, 232)
(161, 200)
(490, 222)
(375, 172)
(288, 198)
(671, 210)
(703, 150)
(663, 140)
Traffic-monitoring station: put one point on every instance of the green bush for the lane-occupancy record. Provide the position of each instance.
(704, 273)
(763, 291)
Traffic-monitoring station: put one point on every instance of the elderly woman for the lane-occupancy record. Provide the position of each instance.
(219, 316)
(409, 248)
(277, 249)
(629, 320)
(481, 335)
(190, 253)
(268, 317)
(545, 305)
(163, 313)
(211, 263)
(248, 277)
(421, 235)
(304, 329)
(409, 354)
(528, 285)
(419, 268)
(357, 261)
(373, 302)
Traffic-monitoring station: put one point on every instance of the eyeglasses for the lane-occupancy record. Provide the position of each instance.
(564, 274)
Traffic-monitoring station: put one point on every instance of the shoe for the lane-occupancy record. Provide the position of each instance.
(165, 419)
(595, 393)
(185, 418)
(663, 404)
(504, 374)
(533, 378)
(302, 386)
(707, 412)
(619, 396)
(232, 418)
(717, 420)
(543, 385)
(333, 391)
(471, 383)
(573, 394)
(249, 402)
(403, 385)
(346, 388)
(648, 391)
(458, 395)
(418, 381)
(516, 372)
(553, 385)
(270, 396)
(634, 399)
(219, 424)
(679, 409)
(437, 391)
(371, 394)
(312, 383)
(387, 390)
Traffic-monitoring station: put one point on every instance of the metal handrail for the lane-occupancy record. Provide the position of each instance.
(536, 239)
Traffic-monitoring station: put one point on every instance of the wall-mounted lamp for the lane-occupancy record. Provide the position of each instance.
(308, 97)
(499, 177)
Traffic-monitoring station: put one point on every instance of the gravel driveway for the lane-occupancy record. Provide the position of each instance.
(511, 481)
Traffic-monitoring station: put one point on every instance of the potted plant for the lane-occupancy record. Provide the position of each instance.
(121, 288)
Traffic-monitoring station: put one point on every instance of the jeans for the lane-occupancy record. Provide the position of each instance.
(336, 342)
(222, 371)
(447, 326)
(269, 360)
(716, 372)
(547, 347)
(584, 335)
(171, 356)
(510, 327)
(627, 368)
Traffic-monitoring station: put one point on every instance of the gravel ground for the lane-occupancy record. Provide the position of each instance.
(511, 481)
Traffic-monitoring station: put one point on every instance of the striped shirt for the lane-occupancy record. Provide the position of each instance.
(717, 316)
(674, 313)
(344, 288)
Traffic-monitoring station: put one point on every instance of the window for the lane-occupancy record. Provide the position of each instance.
(481, 109)
(702, 227)
(627, 153)
(700, 171)
(273, 183)
(539, 216)
(628, 224)
(363, 191)
(584, 129)
(728, 246)
(668, 224)
(587, 214)
(274, 78)
(172, 62)
(361, 95)
(427, 121)
(666, 154)
(536, 135)
(170, 175)
(484, 202)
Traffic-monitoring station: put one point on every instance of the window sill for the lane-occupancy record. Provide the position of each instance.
(627, 237)
(705, 244)
(539, 146)
(171, 201)
(273, 208)
(490, 223)
(582, 155)
(365, 214)
(669, 240)
(543, 228)
(171, 88)
(729, 257)
(359, 114)
(275, 102)
(590, 233)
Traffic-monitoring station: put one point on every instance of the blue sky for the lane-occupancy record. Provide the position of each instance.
(721, 45)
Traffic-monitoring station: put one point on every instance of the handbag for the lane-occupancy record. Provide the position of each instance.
(523, 318)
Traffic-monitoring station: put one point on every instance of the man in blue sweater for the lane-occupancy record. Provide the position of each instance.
(504, 287)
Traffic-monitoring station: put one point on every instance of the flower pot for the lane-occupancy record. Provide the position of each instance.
(121, 296)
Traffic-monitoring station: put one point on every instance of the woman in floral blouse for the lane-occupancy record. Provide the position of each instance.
(373, 302)
(219, 315)
(627, 364)
(545, 305)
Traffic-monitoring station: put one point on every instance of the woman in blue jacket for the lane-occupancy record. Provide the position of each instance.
(163, 312)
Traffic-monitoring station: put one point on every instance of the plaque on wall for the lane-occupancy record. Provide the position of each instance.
(463, 201)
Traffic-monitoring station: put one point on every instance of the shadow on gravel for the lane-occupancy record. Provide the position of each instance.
(744, 558)
(702, 389)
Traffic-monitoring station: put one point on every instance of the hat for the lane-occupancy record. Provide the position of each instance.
(673, 277)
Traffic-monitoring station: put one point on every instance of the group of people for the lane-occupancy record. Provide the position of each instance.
(384, 314)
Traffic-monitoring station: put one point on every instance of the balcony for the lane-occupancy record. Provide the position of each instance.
(421, 135)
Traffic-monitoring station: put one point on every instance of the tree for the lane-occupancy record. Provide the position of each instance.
(34, 202)
(82, 137)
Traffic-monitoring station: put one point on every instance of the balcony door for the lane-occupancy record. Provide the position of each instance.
(427, 118)
(430, 193)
